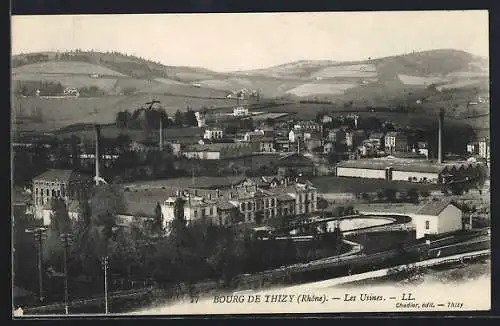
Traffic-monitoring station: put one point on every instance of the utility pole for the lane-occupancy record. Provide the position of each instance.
(39, 234)
(105, 266)
(66, 238)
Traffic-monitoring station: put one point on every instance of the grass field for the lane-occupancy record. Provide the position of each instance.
(64, 67)
(320, 88)
(105, 83)
(61, 112)
(359, 70)
(416, 80)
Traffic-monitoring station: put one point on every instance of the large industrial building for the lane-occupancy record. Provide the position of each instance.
(413, 170)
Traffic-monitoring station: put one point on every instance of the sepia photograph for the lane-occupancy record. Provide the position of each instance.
(250, 163)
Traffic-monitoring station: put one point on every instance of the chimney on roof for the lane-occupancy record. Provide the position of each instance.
(97, 152)
(440, 136)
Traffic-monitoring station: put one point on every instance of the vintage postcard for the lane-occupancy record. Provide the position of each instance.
(251, 163)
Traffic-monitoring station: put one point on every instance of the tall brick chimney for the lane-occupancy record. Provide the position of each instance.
(440, 136)
(97, 152)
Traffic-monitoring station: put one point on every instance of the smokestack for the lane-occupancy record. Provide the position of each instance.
(161, 133)
(97, 153)
(440, 136)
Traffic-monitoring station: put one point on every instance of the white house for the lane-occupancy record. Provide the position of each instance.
(195, 208)
(251, 135)
(240, 111)
(437, 217)
(200, 118)
(213, 133)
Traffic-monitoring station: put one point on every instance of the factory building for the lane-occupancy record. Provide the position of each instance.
(413, 170)
(248, 202)
(67, 185)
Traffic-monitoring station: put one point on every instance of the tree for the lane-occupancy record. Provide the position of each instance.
(425, 193)
(59, 223)
(178, 118)
(322, 204)
(158, 221)
(259, 217)
(390, 194)
(122, 119)
(190, 118)
(412, 195)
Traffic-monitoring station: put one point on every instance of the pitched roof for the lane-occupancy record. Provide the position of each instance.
(434, 207)
(376, 135)
(61, 176)
(409, 165)
(215, 147)
(225, 205)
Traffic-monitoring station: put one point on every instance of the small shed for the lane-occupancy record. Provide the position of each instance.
(437, 217)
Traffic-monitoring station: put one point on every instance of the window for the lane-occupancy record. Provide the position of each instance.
(249, 206)
(195, 213)
(211, 211)
(47, 192)
(427, 225)
(242, 206)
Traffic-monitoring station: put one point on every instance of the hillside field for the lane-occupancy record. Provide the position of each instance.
(61, 112)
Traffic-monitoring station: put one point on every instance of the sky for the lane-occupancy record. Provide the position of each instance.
(230, 42)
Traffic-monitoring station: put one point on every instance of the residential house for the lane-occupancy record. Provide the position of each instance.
(268, 131)
(328, 148)
(337, 135)
(377, 139)
(326, 119)
(484, 148)
(395, 141)
(312, 141)
(240, 111)
(307, 125)
(200, 118)
(251, 135)
(422, 148)
(192, 207)
(213, 133)
(367, 148)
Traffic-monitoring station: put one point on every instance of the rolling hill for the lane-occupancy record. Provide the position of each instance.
(128, 81)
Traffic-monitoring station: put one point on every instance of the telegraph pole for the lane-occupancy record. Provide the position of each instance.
(66, 238)
(39, 234)
(105, 266)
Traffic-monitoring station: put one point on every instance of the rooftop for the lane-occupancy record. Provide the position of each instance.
(401, 164)
(215, 147)
(376, 135)
(434, 207)
(55, 175)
